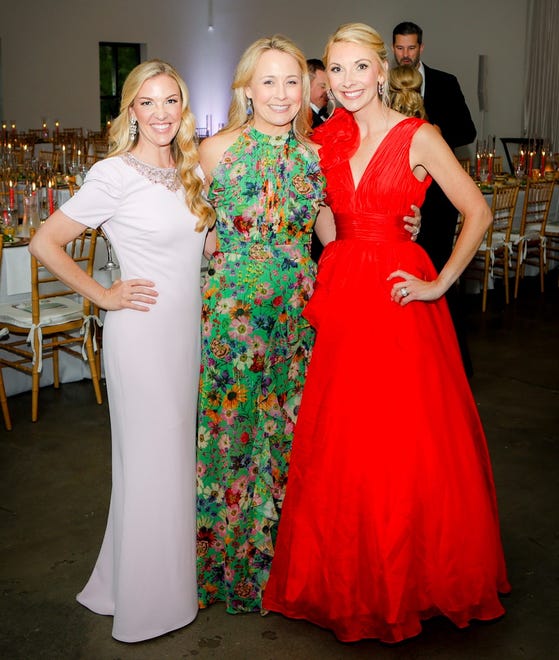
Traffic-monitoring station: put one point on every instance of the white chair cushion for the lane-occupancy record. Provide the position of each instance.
(53, 312)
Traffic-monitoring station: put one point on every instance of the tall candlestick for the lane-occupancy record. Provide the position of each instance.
(51, 198)
(63, 159)
(12, 196)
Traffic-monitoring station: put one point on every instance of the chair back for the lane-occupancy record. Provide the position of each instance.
(503, 207)
(3, 397)
(535, 212)
(45, 286)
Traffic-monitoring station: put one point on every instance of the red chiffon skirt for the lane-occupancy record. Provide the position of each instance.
(390, 515)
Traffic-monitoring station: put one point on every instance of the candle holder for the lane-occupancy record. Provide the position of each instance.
(9, 224)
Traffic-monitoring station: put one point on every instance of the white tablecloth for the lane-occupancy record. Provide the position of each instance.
(15, 287)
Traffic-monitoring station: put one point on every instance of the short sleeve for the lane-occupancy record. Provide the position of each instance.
(100, 195)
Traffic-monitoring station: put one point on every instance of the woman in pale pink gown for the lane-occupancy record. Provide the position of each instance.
(148, 197)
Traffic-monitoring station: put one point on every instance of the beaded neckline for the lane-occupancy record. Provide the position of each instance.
(166, 176)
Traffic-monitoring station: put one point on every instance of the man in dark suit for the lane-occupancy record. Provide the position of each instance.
(446, 109)
(319, 105)
(319, 91)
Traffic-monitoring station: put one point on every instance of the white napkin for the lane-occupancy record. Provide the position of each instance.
(17, 266)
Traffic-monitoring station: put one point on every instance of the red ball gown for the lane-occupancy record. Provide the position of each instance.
(390, 515)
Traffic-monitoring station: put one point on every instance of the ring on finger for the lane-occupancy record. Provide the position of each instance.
(404, 292)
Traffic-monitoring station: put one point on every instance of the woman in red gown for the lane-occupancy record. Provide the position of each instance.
(390, 515)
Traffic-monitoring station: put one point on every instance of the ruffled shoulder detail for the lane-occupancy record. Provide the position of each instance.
(338, 138)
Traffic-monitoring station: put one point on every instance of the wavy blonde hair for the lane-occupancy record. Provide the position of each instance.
(363, 35)
(405, 91)
(239, 110)
(183, 146)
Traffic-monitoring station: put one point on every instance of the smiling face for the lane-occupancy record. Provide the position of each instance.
(158, 110)
(276, 90)
(354, 73)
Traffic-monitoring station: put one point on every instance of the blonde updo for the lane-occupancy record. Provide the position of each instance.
(404, 84)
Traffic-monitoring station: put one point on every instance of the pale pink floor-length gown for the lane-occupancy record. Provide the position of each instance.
(145, 573)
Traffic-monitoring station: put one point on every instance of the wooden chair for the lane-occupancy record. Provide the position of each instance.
(530, 241)
(493, 257)
(46, 157)
(3, 397)
(55, 319)
(552, 242)
(466, 164)
(498, 165)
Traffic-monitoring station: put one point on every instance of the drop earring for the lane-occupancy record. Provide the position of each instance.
(250, 109)
(133, 128)
(380, 88)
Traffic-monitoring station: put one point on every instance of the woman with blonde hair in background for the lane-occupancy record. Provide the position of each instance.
(404, 91)
(148, 195)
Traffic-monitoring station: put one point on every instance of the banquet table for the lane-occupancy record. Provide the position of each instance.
(15, 287)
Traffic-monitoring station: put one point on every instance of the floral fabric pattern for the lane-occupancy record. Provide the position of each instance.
(255, 350)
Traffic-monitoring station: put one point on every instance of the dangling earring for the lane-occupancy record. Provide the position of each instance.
(250, 109)
(133, 128)
(380, 88)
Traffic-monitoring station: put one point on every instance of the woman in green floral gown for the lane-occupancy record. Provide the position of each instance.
(266, 187)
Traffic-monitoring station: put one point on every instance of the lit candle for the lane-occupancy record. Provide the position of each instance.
(51, 198)
(489, 166)
(478, 165)
(530, 163)
(542, 163)
(12, 196)
(57, 127)
(522, 159)
(63, 159)
(79, 156)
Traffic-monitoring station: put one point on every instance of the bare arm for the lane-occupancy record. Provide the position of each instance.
(430, 153)
(210, 152)
(325, 226)
(210, 244)
(48, 245)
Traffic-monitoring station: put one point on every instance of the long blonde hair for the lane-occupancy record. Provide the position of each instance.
(405, 91)
(183, 146)
(363, 35)
(240, 110)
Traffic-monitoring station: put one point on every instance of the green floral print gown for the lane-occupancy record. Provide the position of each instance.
(255, 350)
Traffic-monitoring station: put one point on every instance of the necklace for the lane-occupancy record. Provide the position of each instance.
(166, 176)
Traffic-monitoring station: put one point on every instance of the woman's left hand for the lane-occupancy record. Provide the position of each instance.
(413, 222)
(410, 288)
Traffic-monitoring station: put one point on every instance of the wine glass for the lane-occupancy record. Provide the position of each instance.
(111, 263)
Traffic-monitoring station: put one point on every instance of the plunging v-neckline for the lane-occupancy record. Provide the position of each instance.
(372, 158)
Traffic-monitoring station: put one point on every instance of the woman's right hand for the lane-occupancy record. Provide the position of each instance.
(129, 294)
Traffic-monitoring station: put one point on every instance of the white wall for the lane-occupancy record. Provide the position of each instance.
(49, 55)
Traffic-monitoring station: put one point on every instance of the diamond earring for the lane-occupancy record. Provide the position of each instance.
(133, 128)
